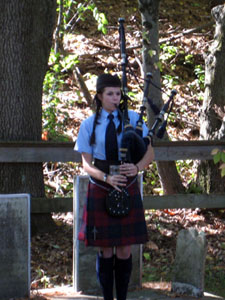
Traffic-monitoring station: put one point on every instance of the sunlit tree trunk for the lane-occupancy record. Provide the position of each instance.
(26, 35)
(212, 120)
(149, 10)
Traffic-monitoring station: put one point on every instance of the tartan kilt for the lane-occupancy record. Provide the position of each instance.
(100, 229)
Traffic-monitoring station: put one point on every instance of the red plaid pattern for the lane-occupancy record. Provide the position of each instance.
(100, 229)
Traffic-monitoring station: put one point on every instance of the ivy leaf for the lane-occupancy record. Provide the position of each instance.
(214, 151)
(222, 167)
(146, 256)
(223, 156)
(103, 19)
(216, 158)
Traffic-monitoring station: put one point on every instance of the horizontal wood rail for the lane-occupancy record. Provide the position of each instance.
(44, 205)
(17, 152)
(28, 152)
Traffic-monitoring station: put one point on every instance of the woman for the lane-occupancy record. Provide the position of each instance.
(112, 235)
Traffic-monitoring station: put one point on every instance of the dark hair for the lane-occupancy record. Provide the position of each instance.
(107, 80)
(97, 115)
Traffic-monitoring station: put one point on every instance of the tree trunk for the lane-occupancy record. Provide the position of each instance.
(26, 35)
(212, 125)
(149, 10)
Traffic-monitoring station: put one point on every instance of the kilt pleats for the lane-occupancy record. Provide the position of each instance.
(100, 229)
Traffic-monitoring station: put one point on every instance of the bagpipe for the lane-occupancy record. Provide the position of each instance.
(134, 145)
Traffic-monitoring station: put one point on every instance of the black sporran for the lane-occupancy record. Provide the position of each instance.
(118, 203)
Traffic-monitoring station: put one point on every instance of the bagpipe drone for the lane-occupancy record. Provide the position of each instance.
(133, 145)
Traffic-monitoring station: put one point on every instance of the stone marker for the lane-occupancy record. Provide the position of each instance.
(189, 265)
(84, 258)
(14, 246)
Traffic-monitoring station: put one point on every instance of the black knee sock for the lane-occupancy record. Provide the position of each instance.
(104, 269)
(123, 268)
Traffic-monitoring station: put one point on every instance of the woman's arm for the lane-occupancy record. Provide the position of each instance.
(115, 180)
(90, 168)
(146, 159)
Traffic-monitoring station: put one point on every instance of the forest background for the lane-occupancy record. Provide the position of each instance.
(85, 45)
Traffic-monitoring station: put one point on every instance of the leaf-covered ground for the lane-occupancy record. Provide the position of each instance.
(52, 252)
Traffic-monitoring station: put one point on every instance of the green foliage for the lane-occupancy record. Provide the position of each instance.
(194, 188)
(44, 279)
(53, 83)
(68, 62)
(101, 20)
(61, 65)
(219, 157)
(168, 52)
(214, 278)
(187, 171)
(74, 10)
(198, 84)
(151, 181)
(146, 256)
(189, 59)
(167, 56)
(169, 81)
(99, 17)
(152, 52)
(175, 57)
(200, 74)
(152, 273)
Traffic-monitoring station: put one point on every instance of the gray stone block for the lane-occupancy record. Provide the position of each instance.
(189, 264)
(14, 246)
(84, 260)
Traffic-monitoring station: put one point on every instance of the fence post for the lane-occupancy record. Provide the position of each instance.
(76, 206)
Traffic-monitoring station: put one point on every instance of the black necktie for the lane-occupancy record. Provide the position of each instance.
(111, 147)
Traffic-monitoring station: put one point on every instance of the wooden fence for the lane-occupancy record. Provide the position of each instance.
(28, 152)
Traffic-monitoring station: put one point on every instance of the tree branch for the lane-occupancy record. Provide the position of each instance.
(186, 32)
(80, 80)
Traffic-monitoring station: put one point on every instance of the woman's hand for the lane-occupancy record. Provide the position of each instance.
(117, 181)
(129, 169)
